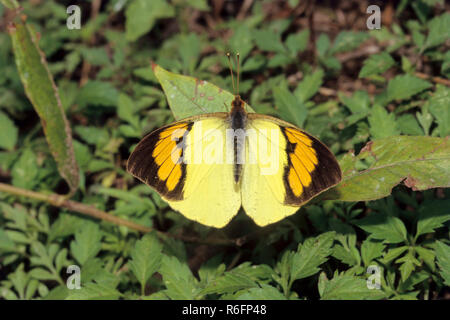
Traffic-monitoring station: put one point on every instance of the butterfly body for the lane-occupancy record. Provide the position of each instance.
(208, 166)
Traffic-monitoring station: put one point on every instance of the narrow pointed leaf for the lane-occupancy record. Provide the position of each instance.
(43, 94)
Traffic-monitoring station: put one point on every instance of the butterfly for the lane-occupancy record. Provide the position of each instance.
(210, 165)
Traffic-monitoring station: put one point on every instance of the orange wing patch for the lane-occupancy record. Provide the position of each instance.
(167, 155)
(303, 159)
(156, 160)
(312, 167)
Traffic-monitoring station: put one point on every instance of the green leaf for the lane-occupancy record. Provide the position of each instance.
(241, 41)
(358, 104)
(94, 291)
(25, 170)
(408, 124)
(178, 279)
(432, 216)
(43, 94)
(347, 41)
(443, 259)
(266, 292)
(409, 263)
(382, 124)
(188, 96)
(230, 282)
(439, 108)
(141, 16)
(8, 139)
(97, 93)
(95, 56)
(145, 258)
(384, 227)
(189, 47)
(309, 86)
(422, 161)
(371, 250)
(42, 274)
(297, 42)
(405, 86)
(310, 255)
(87, 242)
(290, 108)
(267, 40)
(376, 64)
(438, 30)
(126, 110)
(345, 287)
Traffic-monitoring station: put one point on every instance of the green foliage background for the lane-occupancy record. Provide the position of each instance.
(396, 84)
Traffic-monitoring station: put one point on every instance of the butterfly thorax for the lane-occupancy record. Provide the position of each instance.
(238, 119)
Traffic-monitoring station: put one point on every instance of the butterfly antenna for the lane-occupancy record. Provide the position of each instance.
(237, 83)
(231, 71)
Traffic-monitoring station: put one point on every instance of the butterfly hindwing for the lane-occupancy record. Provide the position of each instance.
(305, 168)
(312, 168)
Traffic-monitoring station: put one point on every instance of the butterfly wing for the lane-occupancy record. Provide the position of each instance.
(184, 163)
(294, 168)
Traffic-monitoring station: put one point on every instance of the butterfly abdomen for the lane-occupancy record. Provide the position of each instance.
(238, 117)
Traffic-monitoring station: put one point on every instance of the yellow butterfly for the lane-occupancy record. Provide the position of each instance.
(208, 166)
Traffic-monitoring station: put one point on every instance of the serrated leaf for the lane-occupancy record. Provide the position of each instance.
(309, 86)
(427, 256)
(347, 41)
(141, 16)
(376, 64)
(408, 124)
(87, 242)
(432, 216)
(145, 258)
(188, 96)
(268, 40)
(345, 287)
(443, 259)
(344, 255)
(382, 124)
(384, 227)
(98, 93)
(8, 139)
(408, 265)
(438, 30)
(290, 108)
(405, 86)
(297, 42)
(439, 107)
(230, 282)
(312, 253)
(371, 250)
(25, 170)
(423, 161)
(178, 279)
(43, 95)
(94, 291)
(42, 274)
(241, 41)
(266, 292)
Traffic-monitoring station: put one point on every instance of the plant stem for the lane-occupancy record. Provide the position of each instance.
(62, 202)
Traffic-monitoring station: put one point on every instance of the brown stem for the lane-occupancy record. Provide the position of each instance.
(61, 201)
